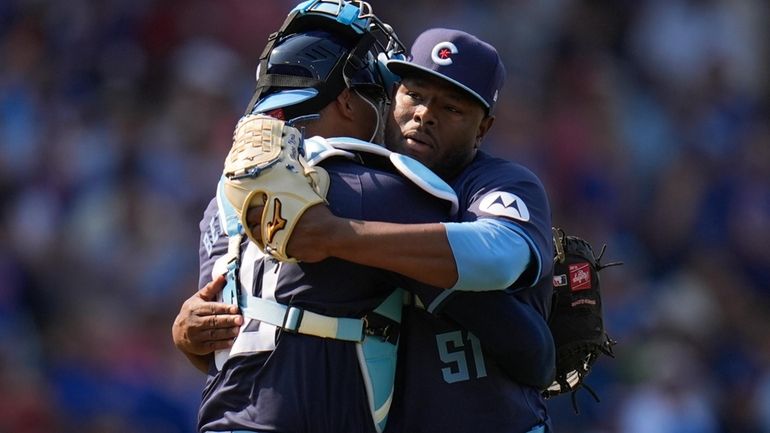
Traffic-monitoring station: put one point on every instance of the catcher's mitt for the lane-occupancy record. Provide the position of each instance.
(266, 167)
(576, 314)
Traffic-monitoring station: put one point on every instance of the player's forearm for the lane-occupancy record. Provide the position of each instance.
(478, 256)
(418, 251)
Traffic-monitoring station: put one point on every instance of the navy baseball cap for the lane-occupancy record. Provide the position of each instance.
(458, 57)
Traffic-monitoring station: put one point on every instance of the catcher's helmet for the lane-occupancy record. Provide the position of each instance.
(323, 47)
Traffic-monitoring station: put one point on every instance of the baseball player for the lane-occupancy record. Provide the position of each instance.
(442, 111)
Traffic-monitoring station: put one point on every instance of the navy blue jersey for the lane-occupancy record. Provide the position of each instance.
(446, 381)
(495, 188)
(310, 384)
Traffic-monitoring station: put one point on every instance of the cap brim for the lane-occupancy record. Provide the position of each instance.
(284, 98)
(404, 69)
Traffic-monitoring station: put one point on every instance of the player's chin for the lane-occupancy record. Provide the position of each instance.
(427, 159)
(419, 151)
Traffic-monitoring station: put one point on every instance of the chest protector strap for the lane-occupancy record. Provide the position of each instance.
(377, 358)
(229, 264)
(318, 149)
(234, 231)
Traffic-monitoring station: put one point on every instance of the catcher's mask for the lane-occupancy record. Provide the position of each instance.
(323, 47)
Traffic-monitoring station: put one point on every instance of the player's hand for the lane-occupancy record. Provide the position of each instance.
(203, 325)
(308, 241)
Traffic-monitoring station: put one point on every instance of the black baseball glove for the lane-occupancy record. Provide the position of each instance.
(576, 319)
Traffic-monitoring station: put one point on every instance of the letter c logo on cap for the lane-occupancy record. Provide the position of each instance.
(442, 53)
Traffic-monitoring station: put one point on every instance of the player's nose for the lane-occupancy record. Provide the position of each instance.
(423, 114)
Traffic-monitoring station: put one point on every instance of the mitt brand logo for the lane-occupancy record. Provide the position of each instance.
(505, 204)
(559, 280)
(277, 223)
(442, 53)
(580, 276)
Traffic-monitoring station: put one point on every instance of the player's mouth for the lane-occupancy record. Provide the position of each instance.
(418, 142)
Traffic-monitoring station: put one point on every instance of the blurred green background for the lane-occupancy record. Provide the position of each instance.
(648, 121)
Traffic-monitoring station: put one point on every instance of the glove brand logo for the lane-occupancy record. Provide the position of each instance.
(277, 223)
(559, 280)
(505, 204)
(442, 53)
(580, 276)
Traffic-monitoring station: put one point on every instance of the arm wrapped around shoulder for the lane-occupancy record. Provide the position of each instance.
(266, 167)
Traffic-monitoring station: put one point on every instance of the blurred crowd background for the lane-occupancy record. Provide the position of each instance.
(648, 120)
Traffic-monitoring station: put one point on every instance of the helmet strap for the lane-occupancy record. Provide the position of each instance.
(377, 133)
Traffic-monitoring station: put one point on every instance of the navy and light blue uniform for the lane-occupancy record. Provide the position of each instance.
(446, 380)
(307, 383)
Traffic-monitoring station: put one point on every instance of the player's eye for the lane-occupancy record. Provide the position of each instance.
(453, 109)
(414, 95)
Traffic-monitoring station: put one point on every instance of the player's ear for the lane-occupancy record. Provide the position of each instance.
(484, 126)
(345, 104)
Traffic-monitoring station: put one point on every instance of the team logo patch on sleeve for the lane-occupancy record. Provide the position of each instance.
(505, 204)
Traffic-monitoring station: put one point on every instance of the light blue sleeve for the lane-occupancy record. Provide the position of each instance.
(490, 254)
